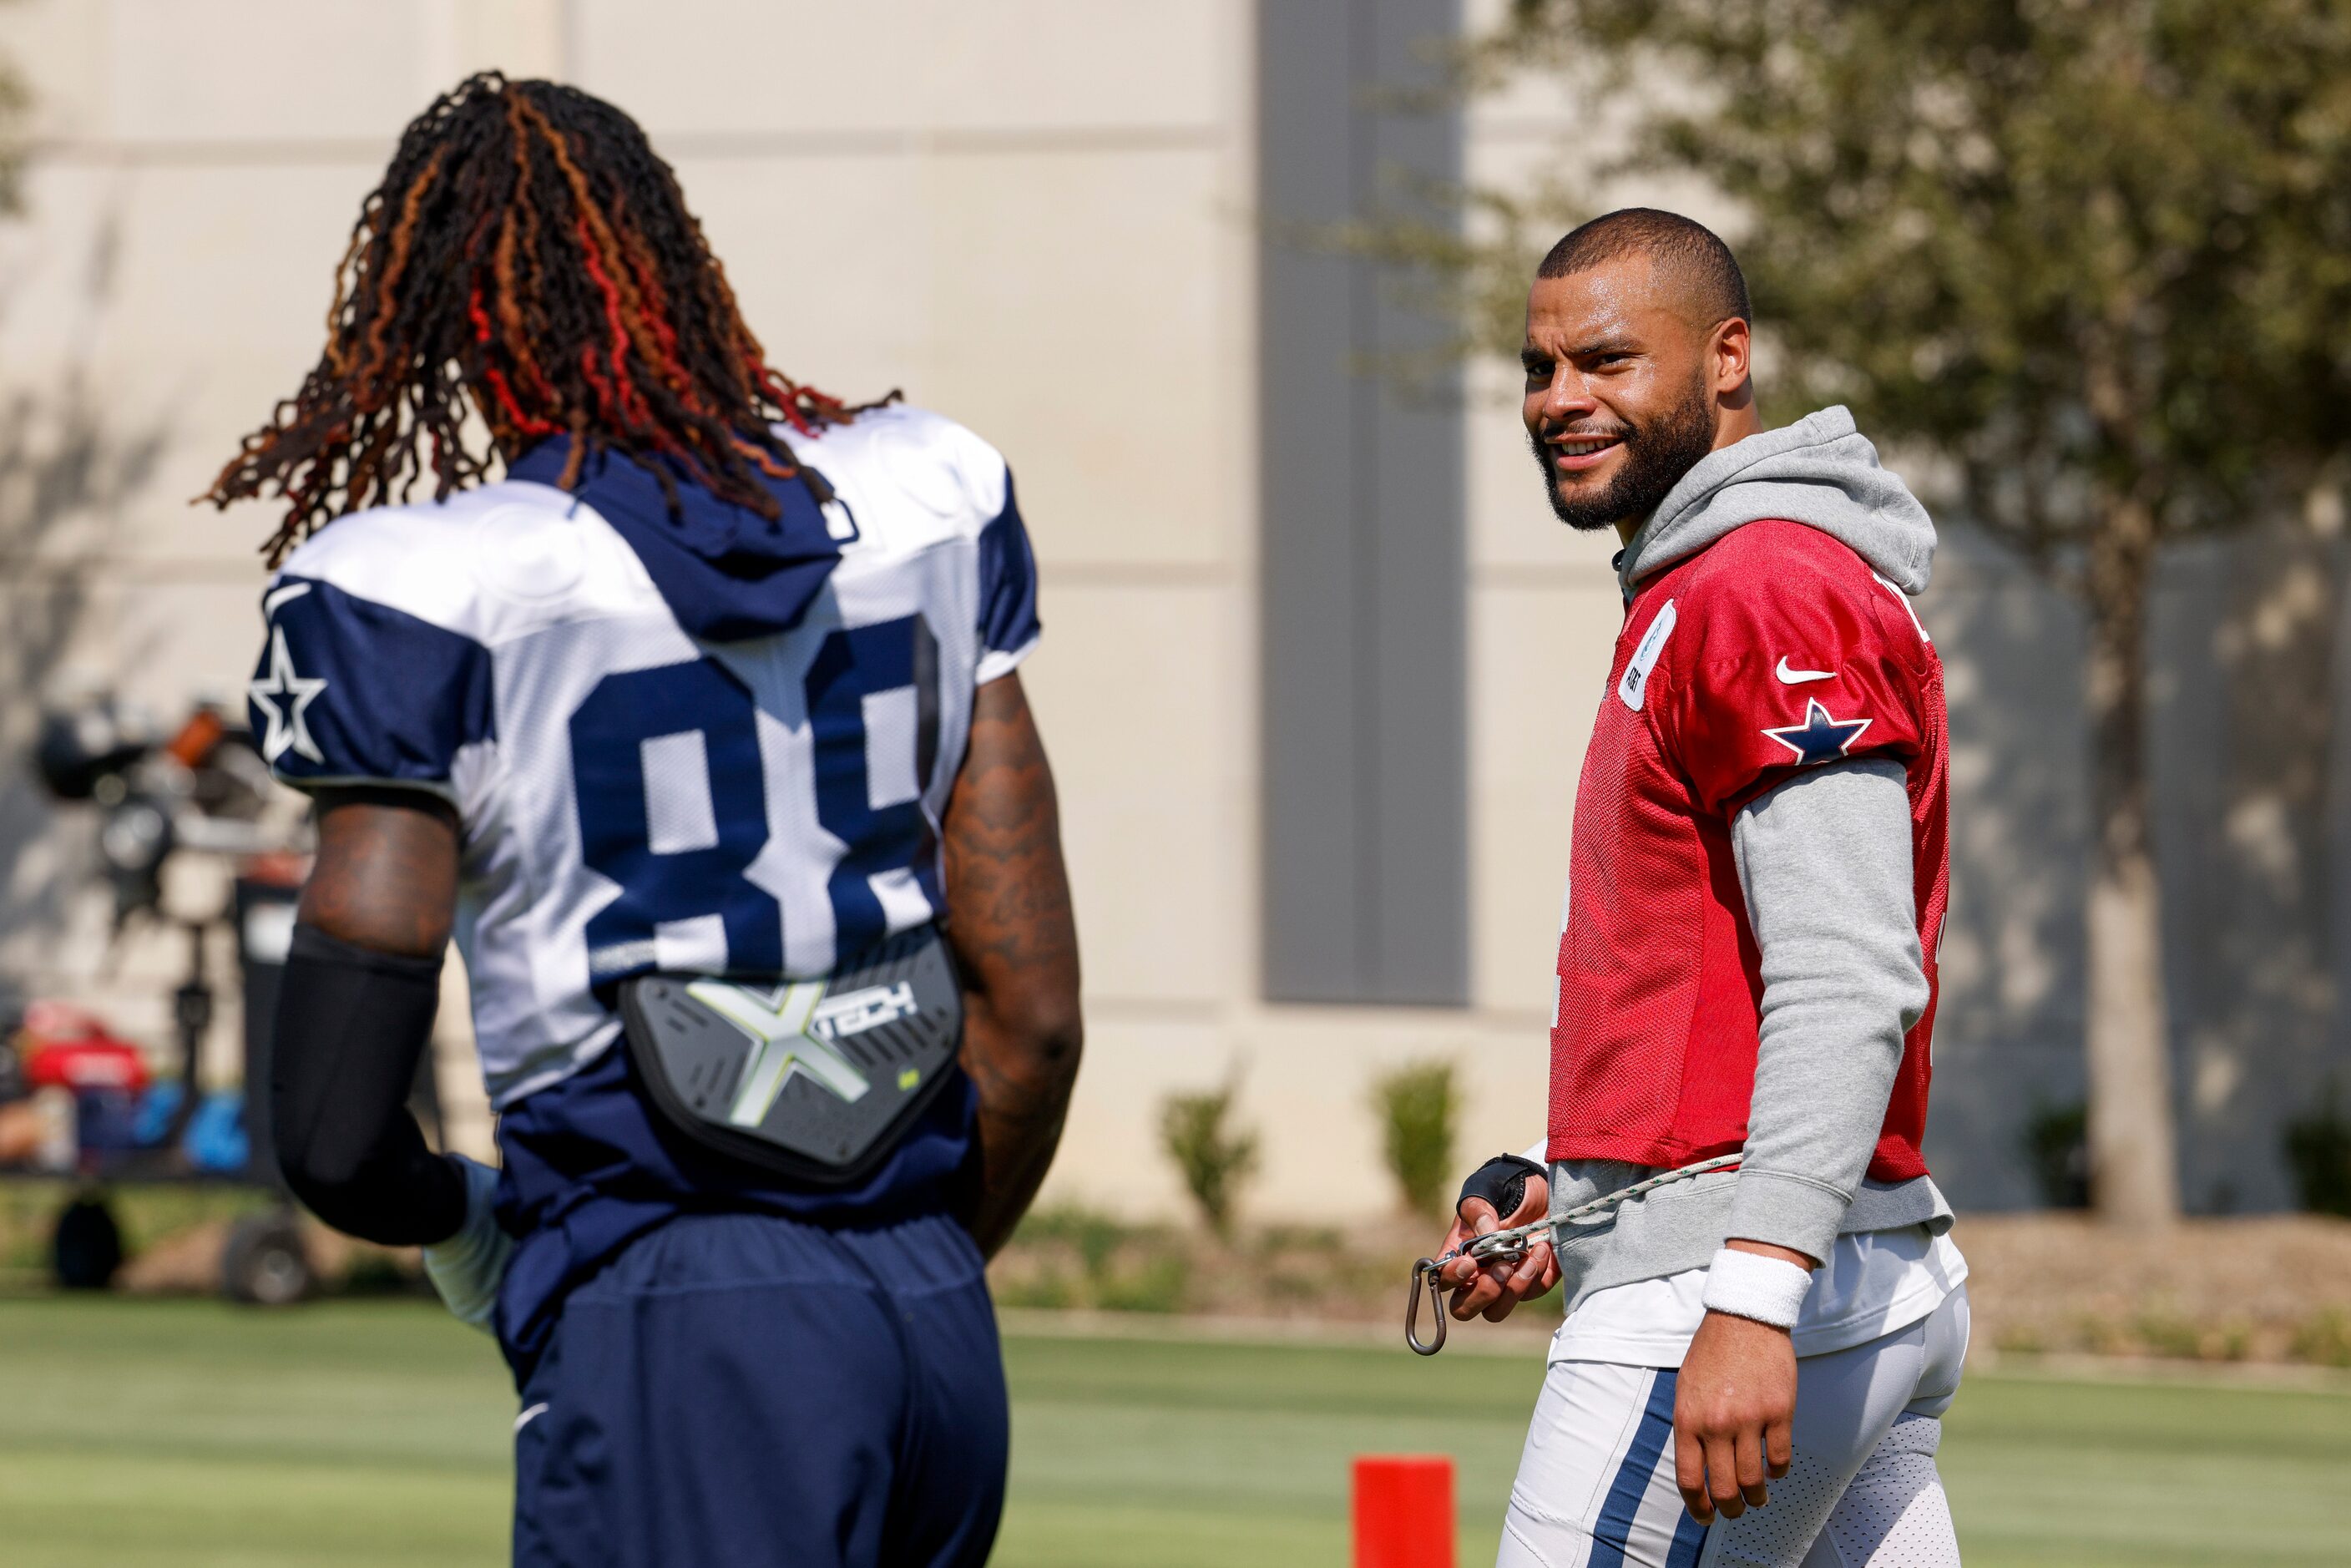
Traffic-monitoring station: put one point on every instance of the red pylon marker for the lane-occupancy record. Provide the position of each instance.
(1403, 1510)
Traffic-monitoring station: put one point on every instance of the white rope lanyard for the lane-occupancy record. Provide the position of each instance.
(1505, 1248)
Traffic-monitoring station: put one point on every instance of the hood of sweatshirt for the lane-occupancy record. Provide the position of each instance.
(1821, 472)
(726, 573)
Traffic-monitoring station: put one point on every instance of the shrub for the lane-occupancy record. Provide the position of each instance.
(2168, 1334)
(1216, 1155)
(1120, 1268)
(2324, 1338)
(2318, 1152)
(1420, 1107)
(1091, 1234)
(1160, 1285)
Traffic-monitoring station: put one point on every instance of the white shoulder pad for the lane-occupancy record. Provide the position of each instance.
(492, 564)
(909, 455)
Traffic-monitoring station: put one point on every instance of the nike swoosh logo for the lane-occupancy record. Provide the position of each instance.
(1789, 677)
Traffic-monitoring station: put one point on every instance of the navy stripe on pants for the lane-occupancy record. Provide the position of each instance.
(1612, 1531)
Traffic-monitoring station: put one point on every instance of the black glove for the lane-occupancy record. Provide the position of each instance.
(1500, 1181)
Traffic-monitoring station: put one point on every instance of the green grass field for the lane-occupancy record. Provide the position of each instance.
(186, 1434)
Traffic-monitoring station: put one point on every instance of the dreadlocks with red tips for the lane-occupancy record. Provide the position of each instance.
(528, 256)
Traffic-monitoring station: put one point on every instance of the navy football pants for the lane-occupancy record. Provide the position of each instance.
(750, 1390)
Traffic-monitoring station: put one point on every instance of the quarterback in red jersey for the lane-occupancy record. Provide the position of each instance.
(1746, 975)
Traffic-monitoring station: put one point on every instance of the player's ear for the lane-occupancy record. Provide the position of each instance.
(1727, 356)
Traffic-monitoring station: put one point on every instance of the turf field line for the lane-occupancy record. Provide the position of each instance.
(1173, 1328)
(1484, 1340)
(2160, 1372)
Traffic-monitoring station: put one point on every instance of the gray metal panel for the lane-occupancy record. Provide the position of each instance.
(1310, 504)
(1365, 807)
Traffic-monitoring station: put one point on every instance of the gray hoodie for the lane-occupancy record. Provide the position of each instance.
(1824, 861)
(1821, 472)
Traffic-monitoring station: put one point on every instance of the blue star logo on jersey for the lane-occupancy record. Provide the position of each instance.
(1819, 739)
(286, 731)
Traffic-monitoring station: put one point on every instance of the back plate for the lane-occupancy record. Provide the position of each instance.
(815, 1080)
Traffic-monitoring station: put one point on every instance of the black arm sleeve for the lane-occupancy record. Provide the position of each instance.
(352, 1024)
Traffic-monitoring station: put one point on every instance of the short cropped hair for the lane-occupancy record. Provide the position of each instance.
(1711, 273)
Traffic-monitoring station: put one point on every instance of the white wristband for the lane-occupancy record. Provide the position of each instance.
(468, 1267)
(1749, 1285)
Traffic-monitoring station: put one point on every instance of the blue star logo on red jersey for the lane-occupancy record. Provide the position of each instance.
(1819, 739)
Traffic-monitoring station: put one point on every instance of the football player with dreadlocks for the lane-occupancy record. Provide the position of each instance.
(699, 725)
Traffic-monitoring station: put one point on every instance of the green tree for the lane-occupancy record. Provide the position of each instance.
(16, 110)
(1202, 1132)
(2095, 253)
(1419, 1108)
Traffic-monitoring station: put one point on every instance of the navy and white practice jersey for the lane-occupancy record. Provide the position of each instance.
(634, 795)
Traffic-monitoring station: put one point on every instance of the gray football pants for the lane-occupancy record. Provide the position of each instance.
(1595, 1486)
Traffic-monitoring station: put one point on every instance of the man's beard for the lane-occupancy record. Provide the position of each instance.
(1657, 455)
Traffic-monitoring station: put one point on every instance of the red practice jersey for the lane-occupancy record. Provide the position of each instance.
(1773, 650)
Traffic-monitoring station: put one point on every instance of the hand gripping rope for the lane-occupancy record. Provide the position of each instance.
(1510, 1247)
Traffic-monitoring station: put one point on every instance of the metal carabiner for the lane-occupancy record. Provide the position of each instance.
(1425, 1270)
(1508, 1248)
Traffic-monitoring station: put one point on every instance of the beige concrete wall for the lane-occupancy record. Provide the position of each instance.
(1034, 216)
